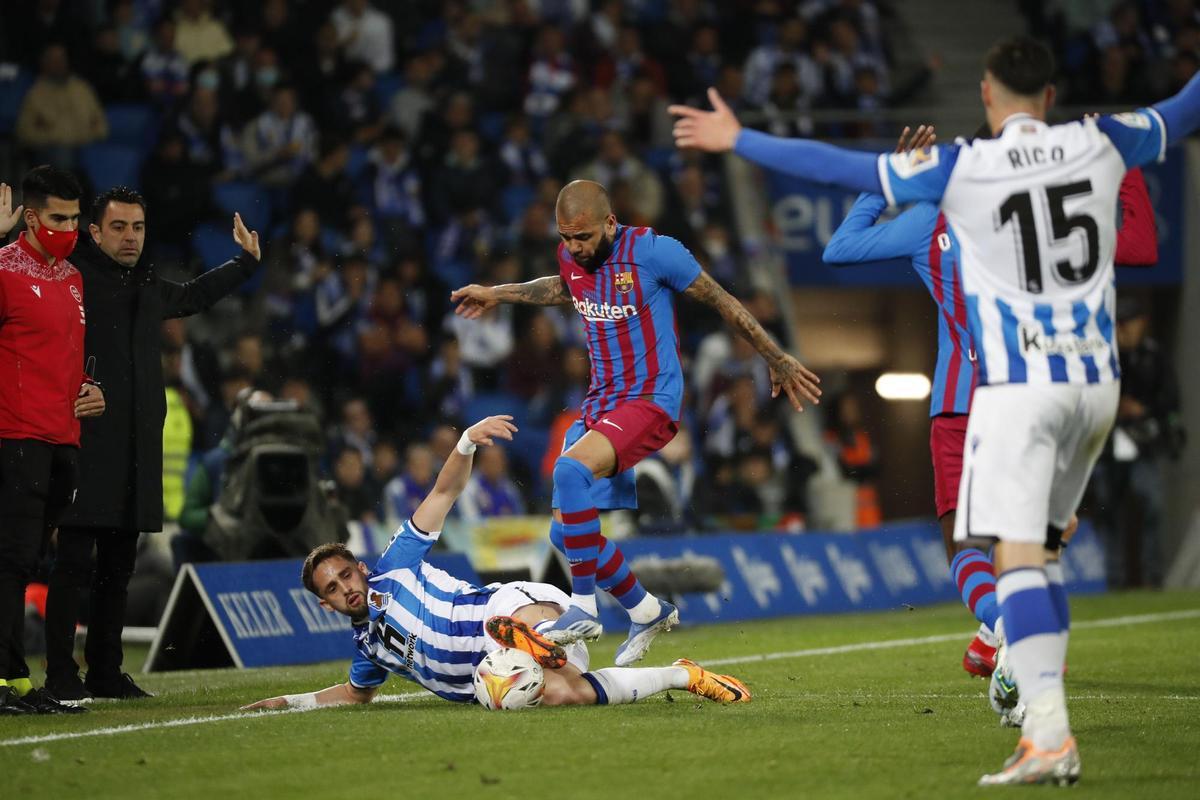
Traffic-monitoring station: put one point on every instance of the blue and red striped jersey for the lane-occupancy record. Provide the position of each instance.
(921, 235)
(629, 319)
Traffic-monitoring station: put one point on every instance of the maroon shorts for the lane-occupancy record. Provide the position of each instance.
(636, 429)
(947, 437)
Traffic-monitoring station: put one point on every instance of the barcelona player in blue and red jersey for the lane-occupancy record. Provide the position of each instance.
(921, 235)
(622, 280)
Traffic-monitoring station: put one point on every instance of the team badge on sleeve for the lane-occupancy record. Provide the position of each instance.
(914, 162)
(623, 281)
(1132, 119)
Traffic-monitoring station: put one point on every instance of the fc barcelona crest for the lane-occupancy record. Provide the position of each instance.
(623, 281)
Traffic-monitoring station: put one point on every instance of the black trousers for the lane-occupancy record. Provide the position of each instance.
(37, 482)
(107, 575)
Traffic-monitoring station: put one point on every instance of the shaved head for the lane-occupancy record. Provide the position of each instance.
(586, 223)
(586, 201)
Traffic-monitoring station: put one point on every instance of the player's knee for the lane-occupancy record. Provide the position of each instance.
(571, 474)
(562, 691)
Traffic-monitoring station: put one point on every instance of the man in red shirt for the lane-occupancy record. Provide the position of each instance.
(43, 394)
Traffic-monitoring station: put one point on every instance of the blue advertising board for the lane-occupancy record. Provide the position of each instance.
(773, 575)
(262, 614)
(805, 216)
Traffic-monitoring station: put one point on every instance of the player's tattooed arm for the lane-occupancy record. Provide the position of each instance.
(787, 374)
(474, 300)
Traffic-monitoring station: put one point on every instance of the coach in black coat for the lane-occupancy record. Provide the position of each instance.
(121, 460)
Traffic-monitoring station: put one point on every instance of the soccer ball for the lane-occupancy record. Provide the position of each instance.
(509, 679)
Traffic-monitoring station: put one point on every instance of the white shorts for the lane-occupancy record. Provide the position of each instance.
(512, 596)
(1030, 449)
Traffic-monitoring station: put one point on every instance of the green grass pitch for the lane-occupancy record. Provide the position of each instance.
(897, 722)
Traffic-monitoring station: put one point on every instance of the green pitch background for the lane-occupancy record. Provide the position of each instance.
(900, 722)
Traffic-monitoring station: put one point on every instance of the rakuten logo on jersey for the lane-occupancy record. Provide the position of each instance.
(603, 312)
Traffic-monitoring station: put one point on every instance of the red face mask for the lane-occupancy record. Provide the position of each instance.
(59, 244)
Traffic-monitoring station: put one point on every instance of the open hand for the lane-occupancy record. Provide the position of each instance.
(922, 138)
(247, 239)
(89, 402)
(270, 704)
(796, 381)
(487, 430)
(473, 300)
(8, 215)
(713, 131)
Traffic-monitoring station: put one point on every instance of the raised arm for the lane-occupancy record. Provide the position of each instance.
(339, 695)
(203, 291)
(474, 300)
(719, 131)
(431, 514)
(787, 374)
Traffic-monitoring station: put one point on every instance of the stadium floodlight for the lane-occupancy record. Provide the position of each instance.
(902, 386)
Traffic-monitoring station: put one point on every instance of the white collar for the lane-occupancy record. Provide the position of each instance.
(1020, 115)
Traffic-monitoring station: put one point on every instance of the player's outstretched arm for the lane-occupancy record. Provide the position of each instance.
(474, 300)
(1181, 113)
(339, 695)
(718, 131)
(431, 514)
(787, 374)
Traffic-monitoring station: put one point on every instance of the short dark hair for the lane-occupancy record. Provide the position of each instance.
(42, 183)
(117, 194)
(1024, 65)
(322, 553)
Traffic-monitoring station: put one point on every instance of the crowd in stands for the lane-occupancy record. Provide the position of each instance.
(389, 152)
(1125, 53)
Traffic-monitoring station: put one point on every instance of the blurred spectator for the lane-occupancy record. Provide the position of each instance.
(695, 205)
(325, 186)
(791, 48)
(405, 492)
(209, 140)
(1128, 483)
(132, 35)
(246, 103)
(415, 99)
(178, 189)
(845, 58)
(60, 113)
(199, 370)
(627, 61)
(462, 244)
(704, 63)
(353, 488)
(614, 162)
(216, 420)
(535, 368)
(320, 73)
(236, 70)
(784, 110)
(392, 186)
(49, 22)
(281, 32)
(847, 439)
(644, 116)
(522, 156)
(341, 305)
(551, 74)
(490, 492)
(163, 67)
(450, 383)
(115, 78)
(664, 486)
(730, 421)
(247, 355)
(200, 36)
(280, 142)
(385, 466)
(390, 341)
(359, 113)
(356, 431)
(438, 130)
(468, 178)
(365, 33)
(722, 360)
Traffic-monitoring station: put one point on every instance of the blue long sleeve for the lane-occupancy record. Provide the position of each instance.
(858, 240)
(1181, 113)
(814, 161)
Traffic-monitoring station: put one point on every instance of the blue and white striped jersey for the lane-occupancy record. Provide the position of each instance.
(424, 625)
(1034, 212)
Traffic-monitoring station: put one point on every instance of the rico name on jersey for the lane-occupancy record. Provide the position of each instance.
(1034, 212)
(628, 314)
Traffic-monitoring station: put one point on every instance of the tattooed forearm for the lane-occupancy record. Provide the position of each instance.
(548, 291)
(705, 290)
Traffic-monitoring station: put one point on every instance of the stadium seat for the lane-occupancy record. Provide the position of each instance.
(213, 244)
(248, 199)
(515, 199)
(489, 404)
(14, 83)
(133, 125)
(386, 86)
(109, 165)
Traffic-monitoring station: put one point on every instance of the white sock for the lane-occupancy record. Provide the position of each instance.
(630, 684)
(1046, 722)
(587, 602)
(646, 610)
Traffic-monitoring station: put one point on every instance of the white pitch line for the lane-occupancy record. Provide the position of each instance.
(887, 644)
(1137, 619)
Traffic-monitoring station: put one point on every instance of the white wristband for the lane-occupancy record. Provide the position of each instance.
(301, 701)
(465, 445)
